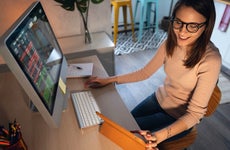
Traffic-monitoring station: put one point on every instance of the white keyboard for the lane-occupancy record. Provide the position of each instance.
(85, 107)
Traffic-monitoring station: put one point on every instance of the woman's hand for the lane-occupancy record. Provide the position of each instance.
(151, 143)
(95, 82)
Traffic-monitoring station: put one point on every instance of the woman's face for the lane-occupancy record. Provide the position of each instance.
(186, 15)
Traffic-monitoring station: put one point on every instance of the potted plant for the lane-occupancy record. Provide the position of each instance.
(83, 7)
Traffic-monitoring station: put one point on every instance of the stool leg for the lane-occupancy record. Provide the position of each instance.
(125, 17)
(154, 19)
(156, 15)
(142, 14)
(115, 28)
(148, 14)
(135, 11)
(132, 22)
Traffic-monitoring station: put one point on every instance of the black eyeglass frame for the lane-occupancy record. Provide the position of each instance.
(198, 25)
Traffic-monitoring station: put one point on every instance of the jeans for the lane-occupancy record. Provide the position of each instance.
(150, 116)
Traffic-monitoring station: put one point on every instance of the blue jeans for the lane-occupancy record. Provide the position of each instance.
(150, 116)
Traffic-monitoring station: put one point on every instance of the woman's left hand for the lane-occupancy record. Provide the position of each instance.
(151, 143)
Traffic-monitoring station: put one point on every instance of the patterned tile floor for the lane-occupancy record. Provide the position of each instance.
(150, 40)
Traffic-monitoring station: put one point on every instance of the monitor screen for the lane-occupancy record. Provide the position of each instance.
(32, 46)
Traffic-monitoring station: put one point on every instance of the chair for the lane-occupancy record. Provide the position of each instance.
(187, 140)
(124, 4)
(145, 12)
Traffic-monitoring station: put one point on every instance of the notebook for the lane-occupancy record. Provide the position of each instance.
(79, 70)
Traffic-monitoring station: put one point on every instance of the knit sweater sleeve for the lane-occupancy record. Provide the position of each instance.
(153, 65)
(207, 72)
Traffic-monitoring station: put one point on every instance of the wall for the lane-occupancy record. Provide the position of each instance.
(10, 11)
(221, 39)
(67, 23)
(64, 23)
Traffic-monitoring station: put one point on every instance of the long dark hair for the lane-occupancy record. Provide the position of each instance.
(205, 8)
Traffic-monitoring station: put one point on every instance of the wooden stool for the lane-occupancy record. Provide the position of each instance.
(181, 143)
(124, 4)
(186, 141)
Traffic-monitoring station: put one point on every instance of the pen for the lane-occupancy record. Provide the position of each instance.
(3, 131)
(78, 67)
(4, 143)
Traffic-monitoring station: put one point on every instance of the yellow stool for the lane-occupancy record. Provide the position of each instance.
(124, 4)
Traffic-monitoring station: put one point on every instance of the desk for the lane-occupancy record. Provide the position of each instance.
(68, 136)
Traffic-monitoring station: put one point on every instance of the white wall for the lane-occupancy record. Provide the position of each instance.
(64, 23)
(70, 23)
(222, 39)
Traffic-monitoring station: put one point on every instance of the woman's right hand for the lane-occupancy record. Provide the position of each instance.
(95, 82)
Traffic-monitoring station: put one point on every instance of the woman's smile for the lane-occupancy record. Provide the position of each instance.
(184, 16)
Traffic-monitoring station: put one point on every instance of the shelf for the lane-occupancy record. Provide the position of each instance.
(74, 44)
(224, 1)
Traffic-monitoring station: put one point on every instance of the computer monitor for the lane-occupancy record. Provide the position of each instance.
(32, 53)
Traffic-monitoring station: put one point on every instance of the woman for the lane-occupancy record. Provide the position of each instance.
(192, 64)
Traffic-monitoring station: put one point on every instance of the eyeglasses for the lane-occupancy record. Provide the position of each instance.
(191, 27)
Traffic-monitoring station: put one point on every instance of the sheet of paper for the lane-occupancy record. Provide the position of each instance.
(80, 70)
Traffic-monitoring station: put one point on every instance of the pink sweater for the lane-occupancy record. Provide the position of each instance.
(185, 92)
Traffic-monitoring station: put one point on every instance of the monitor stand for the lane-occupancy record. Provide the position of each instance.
(32, 107)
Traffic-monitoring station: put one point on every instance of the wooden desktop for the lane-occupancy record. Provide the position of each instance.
(68, 136)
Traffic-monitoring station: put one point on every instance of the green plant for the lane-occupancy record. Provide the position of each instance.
(83, 7)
